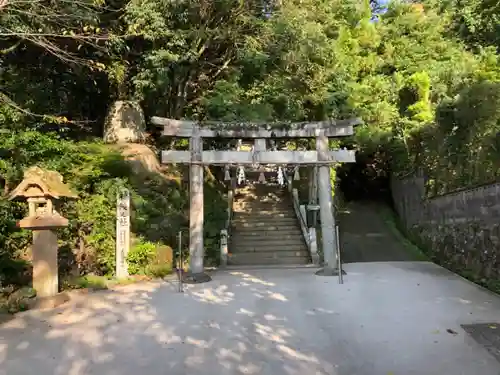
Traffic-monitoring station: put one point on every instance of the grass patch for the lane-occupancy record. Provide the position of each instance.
(492, 285)
(160, 270)
(87, 282)
(156, 271)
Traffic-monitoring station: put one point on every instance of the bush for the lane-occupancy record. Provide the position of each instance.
(140, 257)
(159, 270)
(88, 281)
(147, 258)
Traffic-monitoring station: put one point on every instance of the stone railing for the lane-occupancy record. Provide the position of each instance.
(309, 234)
(226, 232)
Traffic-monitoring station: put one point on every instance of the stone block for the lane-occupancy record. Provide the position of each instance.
(164, 255)
(125, 123)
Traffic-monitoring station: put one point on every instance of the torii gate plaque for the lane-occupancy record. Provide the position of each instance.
(197, 158)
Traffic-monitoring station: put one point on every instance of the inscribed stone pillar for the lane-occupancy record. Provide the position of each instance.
(122, 232)
(326, 214)
(45, 272)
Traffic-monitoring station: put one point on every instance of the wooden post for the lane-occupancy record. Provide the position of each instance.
(196, 233)
(325, 202)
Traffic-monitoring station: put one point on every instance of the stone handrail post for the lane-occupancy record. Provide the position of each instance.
(226, 232)
(223, 247)
(309, 234)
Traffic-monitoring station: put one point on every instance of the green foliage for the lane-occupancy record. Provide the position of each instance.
(140, 257)
(12, 301)
(419, 86)
(462, 148)
(159, 270)
(477, 22)
(87, 281)
(96, 172)
(145, 259)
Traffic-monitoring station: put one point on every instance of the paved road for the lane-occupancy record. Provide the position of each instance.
(366, 236)
(388, 318)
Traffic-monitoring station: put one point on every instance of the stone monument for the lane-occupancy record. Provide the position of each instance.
(42, 189)
(122, 232)
(125, 123)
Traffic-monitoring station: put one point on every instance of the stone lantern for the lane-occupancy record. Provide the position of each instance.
(42, 189)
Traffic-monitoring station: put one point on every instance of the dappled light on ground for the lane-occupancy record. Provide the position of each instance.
(276, 322)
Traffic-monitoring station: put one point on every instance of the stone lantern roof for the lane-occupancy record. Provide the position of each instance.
(42, 183)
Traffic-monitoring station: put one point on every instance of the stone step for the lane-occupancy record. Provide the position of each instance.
(241, 236)
(263, 197)
(296, 249)
(256, 222)
(265, 214)
(258, 203)
(286, 228)
(254, 260)
(265, 230)
(263, 208)
(263, 218)
(300, 253)
(264, 236)
(277, 240)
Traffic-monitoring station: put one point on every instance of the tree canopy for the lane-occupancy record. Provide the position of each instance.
(404, 67)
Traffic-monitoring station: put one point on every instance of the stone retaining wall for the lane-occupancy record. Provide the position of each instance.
(460, 230)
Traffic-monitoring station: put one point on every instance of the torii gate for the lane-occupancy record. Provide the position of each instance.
(197, 158)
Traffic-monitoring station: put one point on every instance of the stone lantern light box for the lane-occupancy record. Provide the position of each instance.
(42, 189)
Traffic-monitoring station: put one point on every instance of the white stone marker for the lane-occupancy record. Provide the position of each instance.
(122, 232)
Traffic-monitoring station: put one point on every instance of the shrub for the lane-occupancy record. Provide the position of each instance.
(159, 270)
(140, 257)
(147, 258)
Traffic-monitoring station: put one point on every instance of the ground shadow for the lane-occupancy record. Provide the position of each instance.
(279, 322)
(150, 328)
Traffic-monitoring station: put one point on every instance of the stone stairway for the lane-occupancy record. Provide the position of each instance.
(265, 229)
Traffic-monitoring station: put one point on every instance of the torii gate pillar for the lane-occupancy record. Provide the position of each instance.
(196, 243)
(326, 212)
